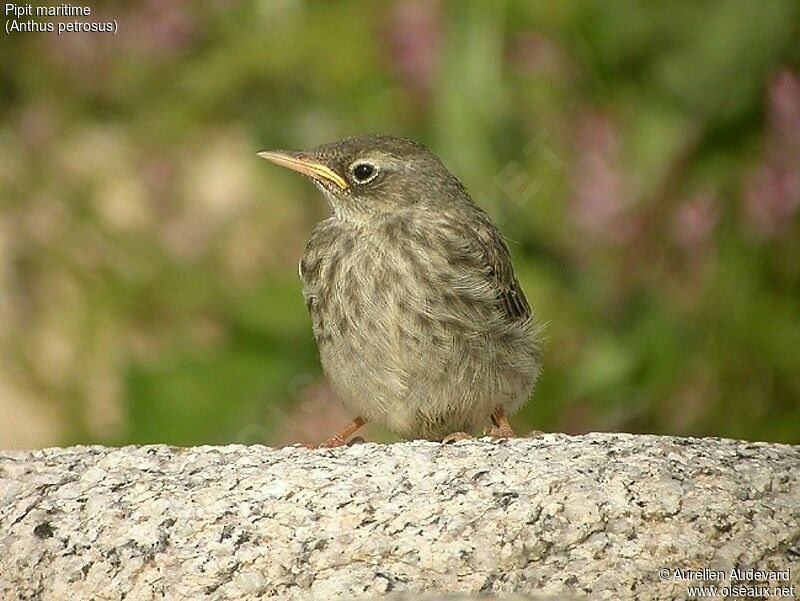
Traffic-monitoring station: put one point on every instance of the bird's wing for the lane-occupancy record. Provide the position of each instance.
(495, 255)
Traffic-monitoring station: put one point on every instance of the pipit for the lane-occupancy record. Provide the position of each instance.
(420, 321)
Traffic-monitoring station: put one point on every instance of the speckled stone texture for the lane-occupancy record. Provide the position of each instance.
(592, 516)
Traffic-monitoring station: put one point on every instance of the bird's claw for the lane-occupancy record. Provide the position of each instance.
(500, 432)
(455, 437)
(332, 442)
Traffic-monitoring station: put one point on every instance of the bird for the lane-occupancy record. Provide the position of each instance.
(420, 321)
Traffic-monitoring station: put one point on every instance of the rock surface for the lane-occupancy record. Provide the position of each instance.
(588, 516)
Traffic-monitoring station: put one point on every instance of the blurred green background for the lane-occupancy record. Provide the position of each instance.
(642, 158)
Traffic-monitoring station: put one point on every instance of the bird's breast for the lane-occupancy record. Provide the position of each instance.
(404, 282)
(358, 287)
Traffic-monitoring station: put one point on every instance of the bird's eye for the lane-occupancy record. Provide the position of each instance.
(364, 172)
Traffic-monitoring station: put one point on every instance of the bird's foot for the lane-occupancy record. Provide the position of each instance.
(502, 431)
(337, 441)
(455, 437)
(332, 442)
(340, 438)
(501, 428)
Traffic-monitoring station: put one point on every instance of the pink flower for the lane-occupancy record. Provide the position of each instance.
(783, 107)
(771, 198)
(601, 201)
(772, 193)
(695, 220)
(413, 39)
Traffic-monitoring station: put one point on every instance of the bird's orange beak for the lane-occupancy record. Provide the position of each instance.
(306, 166)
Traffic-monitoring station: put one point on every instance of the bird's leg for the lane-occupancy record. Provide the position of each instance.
(501, 429)
(456, 436)
(340, 438)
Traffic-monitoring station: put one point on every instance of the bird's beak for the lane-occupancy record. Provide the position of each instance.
(302, 164)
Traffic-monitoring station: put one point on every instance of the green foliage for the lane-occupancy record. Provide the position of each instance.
(642, 158)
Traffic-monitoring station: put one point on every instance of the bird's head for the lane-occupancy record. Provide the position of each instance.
(369, 176)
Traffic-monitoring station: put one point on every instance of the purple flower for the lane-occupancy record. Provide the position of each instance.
(601, 200)
(413, 40)
(695, 220)
(772, 192)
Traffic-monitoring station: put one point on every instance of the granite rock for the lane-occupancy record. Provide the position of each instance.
(596, 516)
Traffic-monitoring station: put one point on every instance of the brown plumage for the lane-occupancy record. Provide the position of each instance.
(421, 323)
